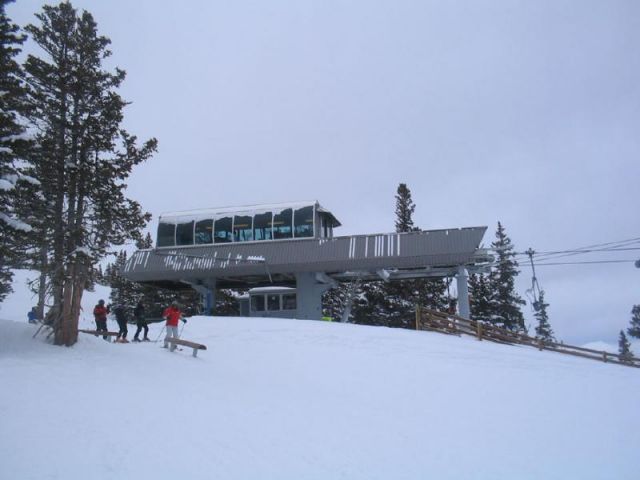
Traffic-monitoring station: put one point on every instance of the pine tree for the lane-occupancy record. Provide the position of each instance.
(404, 210)
(14, 148)
(505, 302)
(480, 297)
(543, 330)
(334, 302)
(33, 205)
(390, 303)
(123, 292)
(371, 305)
(85, 155)
(144, 243)
(426, 292)
(624, 348)
(634, 327)
(227, 304)
(432, 293)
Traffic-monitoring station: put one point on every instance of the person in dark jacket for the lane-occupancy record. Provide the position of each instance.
(121, 317)
(100, 313)
(141, 322)
(32, 315)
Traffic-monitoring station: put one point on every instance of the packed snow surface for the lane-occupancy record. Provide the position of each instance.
(292, 399)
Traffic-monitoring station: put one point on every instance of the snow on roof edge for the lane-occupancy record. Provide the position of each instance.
(237, 209)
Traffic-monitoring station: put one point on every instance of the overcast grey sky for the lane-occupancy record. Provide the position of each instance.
(524, 112)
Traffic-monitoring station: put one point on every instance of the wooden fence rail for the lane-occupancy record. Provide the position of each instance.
(450, 324)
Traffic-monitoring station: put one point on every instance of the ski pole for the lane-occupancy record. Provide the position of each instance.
(184, 322)
(160, 334)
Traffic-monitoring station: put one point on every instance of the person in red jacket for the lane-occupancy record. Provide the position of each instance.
(100, 314)
(172, 315)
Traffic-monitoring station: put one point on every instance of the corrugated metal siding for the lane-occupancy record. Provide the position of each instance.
(352, 253)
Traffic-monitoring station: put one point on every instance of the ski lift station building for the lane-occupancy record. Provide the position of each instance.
(293, 245)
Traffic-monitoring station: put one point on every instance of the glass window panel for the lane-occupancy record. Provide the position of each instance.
(262, 226)
(303, 222)
(184, 233)
(166, 235)
(242, 228)
(282, 224)
(204, 231)
(273, 302)
(289, 301)
(257, 303)
(222, 230)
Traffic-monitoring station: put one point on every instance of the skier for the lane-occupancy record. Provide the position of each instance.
(141, 322)
(121, 318)
(32, 315)
(100, 314)
(172, 314)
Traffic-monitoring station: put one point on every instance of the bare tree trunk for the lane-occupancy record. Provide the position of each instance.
(76, 301)
(67, 329)
(42, 282)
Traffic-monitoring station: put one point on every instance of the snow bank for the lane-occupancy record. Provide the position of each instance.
(292, 399)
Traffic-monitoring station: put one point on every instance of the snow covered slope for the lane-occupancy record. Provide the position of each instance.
(289, 399)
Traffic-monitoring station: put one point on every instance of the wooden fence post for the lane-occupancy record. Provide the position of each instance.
(604, 357)
(479, 328)
(418, 317)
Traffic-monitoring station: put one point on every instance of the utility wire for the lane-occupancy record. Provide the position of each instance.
(609, 246)
(578, 263)
(582, 250)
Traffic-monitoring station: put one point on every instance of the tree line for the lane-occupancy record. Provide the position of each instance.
(64, 160)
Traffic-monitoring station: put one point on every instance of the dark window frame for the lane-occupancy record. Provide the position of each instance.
(160, 238)
(197, 235)
(243, 233)
(278, 234)
(286, 301)
(219, 223)
(259, 216)
(276, 297)
(255, 299)
(184, 232)
(304, 228)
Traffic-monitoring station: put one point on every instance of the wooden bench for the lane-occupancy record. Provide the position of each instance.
(186, 343)
(103, 333)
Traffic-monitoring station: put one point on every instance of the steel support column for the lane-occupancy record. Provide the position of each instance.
(309, 296)
(463, 293)
(208, 293)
